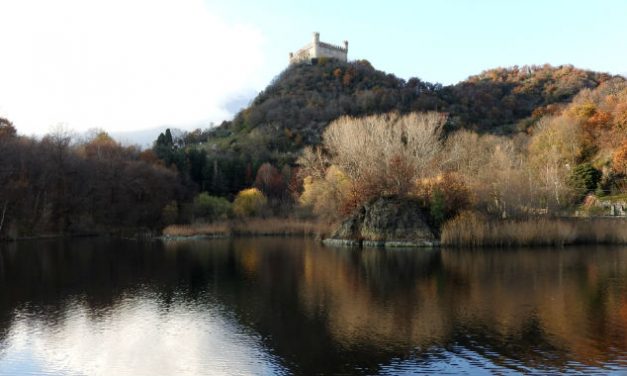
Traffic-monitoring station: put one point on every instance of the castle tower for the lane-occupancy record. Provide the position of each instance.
(316, 49)
(316, 44)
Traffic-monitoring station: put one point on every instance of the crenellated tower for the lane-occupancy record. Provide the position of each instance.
(316, 49)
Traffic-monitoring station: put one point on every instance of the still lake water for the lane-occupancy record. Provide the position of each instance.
(265, 306)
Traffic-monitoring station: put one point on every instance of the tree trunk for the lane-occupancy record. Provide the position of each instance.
(4, 210)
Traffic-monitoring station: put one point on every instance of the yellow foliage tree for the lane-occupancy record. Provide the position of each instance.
(553, 151)
(325, 196)
(249, 202)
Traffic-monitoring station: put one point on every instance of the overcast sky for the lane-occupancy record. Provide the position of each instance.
(125, 65)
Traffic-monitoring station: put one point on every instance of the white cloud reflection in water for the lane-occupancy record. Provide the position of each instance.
(136, 337)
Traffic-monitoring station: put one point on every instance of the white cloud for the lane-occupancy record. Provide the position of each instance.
(121, 65)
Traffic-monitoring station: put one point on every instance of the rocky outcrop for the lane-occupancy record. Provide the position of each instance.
(616, 209)
(385, 222)
(611, 206)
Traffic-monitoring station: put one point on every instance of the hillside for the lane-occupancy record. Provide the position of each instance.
(298, 105)
(600, 118)
(507, 100)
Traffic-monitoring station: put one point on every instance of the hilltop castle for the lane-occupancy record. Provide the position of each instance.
(316, 49)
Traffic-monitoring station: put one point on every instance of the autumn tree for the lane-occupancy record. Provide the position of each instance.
(249, 203)
(102, 146)
(493, 170)
(270, 181)
(553, 152)
(384, 154)
(6, 129)
(619, 160)
(328, 196)
(370, 157)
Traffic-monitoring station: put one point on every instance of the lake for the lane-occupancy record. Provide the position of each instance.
(266, 306)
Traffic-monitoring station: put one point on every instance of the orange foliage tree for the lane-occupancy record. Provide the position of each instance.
(619, 161)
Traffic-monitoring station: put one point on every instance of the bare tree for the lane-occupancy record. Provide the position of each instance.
(553, 151)
(371, 148)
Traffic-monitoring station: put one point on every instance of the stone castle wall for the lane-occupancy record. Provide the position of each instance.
(325, 50)
(317, 49)
(304, 54)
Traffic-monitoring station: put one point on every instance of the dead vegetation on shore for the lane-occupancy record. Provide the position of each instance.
(469, 229)
(474, 230)
(250, 227)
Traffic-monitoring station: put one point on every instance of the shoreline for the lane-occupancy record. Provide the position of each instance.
(249, 227)
(472, 231)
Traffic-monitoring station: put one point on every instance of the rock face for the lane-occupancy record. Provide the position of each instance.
(617, 209)
(611, 206)
(386, 222)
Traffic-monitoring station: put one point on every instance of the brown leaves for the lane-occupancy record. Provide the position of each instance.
(455, 193)
(619, 160)
(270, 181)
(6, 129)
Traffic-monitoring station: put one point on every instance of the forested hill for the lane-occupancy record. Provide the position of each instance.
(507, 100)
(302, 101)
(297, 106)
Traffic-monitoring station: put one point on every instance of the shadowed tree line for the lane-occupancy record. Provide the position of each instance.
(55, 185)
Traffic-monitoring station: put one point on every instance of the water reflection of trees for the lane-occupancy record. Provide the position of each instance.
(576, 296)
(331, 310)
(525, 308)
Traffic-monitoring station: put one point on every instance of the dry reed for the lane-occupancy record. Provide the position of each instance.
(198, 229)
(250, 227)
(472, 230)
(277, 226)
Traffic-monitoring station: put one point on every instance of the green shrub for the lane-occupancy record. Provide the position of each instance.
(584, 179)
(210, 208)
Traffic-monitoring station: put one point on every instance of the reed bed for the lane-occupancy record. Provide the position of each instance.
(278, 226)
(250, 227)
(197, 229)
(473, 230)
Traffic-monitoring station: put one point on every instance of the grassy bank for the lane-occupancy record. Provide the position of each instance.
(472, 230)
(250, 227)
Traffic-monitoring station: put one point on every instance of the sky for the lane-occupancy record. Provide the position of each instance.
(130, 65)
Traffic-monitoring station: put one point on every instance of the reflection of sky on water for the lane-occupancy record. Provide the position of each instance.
(135, 337)
(462, 361)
